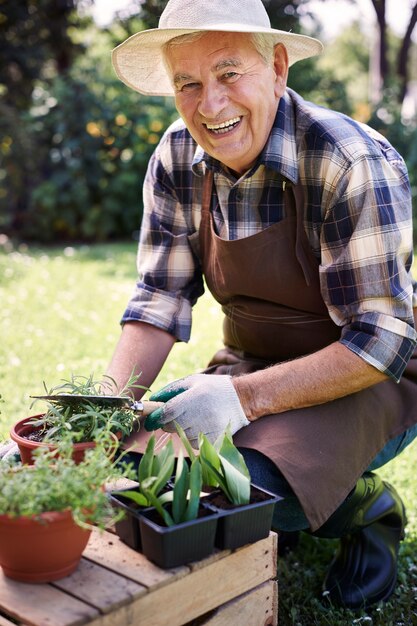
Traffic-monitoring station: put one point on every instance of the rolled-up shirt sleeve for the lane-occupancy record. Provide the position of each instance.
(170, 279)
(366, 257)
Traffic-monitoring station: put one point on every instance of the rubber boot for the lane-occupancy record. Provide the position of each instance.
(370, 523)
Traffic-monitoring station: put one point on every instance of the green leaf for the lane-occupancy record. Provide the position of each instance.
(147, 483)
(238, 485)
(145, 465)
(221, 482)
(135, 496)
(164, 471)
(185, 441)
(158, 506)
(166, 497)
(194, 492)
(229, 451)
(179, 503)
(160, 457)
(208, 453)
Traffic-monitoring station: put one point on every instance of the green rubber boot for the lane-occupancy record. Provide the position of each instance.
(370, 523)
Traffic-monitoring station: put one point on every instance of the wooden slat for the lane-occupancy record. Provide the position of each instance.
(216, 556)
(107, 550)
(42, 605)
(258, 607)
(100, 587)
(116, 586)
(190, 596)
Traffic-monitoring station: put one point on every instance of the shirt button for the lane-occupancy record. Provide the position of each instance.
(239, 196)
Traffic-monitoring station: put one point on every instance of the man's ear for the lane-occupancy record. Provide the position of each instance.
(281, 69)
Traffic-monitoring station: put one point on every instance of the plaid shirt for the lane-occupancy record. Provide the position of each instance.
(358, 222)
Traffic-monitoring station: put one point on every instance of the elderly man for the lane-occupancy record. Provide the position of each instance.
(299, 221)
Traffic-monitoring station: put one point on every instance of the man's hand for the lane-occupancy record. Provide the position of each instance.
(204, 403)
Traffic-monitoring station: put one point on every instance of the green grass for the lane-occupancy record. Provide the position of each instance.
(60, 311)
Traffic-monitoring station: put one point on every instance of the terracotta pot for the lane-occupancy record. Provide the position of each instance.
(43, 549)
(21, 430)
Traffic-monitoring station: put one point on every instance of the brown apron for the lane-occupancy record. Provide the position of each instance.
(268, 286)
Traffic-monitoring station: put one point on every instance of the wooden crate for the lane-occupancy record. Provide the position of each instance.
(116, 586)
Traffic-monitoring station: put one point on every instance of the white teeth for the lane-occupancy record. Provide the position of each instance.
(224, 125)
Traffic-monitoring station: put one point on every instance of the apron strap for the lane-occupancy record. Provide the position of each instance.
(295, 202)
(207, 190)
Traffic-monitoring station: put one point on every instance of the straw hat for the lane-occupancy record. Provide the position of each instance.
(139, 63)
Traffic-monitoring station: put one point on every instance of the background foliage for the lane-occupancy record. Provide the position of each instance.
(75, 142)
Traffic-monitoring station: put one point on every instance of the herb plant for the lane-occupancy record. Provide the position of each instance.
(56, 483)
(86, 419)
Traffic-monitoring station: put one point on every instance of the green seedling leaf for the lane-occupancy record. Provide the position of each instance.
(195, 489)
(160, 458)
(185, 442)
(145, 465)
(137, 497)
(164, 471)
(209, 453)
(238, 485)
(166, 497)
(158, 506)
(229, 451)
(147, 483)
(221, 482)
(179, 503)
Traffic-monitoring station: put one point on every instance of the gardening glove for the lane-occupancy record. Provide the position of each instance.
(200, 403)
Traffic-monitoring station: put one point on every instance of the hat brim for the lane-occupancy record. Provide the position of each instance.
(138, 61)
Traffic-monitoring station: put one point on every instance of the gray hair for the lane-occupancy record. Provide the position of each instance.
(264, 44)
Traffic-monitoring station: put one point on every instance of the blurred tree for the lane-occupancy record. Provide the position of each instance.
(401, 69)
(35, 44)
(346, 59)
(286, 14)
(94, 145)
(150, 10)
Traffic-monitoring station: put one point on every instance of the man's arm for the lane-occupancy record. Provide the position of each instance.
(210, 403)
(142, 348)
(330, 373)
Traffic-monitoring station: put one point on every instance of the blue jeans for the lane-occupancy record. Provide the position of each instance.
(288, 513)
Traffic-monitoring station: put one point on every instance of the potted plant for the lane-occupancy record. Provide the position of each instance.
(153, 474)
(82, 420)
(47, 510)
(245, 510)
(184, 530)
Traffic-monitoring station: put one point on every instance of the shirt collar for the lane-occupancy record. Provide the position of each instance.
(279, 153)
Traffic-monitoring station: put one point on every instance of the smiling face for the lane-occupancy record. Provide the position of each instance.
(227, 94)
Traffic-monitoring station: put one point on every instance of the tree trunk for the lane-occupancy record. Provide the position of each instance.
(402, 65)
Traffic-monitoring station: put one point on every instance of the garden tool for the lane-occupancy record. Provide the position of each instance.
(142, 408)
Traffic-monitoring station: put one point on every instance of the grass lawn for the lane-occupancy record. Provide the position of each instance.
(60, 311)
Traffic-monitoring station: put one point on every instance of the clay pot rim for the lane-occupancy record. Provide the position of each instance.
(23, 426)
(47, 517)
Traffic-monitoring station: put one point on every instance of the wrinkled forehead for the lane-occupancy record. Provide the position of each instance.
(214, 49)
(195, 44)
